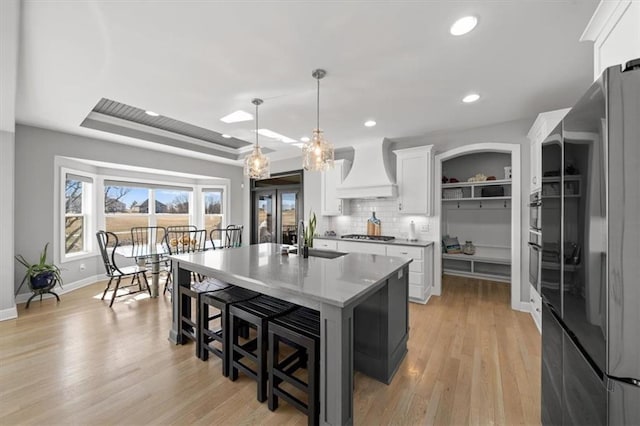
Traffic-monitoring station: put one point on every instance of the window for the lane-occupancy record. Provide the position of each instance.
(172, 207)
(127, 205)
(124, 208)
(213, 208)
(77, 214)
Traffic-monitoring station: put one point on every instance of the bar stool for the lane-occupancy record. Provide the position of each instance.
(255, 312)
(300, 330)
(186, 295)
(208, 336)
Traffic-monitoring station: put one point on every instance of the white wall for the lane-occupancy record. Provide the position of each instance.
(35, 177)
(9, 41)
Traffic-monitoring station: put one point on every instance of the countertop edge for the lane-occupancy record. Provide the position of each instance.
(397, 241)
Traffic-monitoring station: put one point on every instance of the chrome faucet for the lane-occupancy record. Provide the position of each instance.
(300, 237)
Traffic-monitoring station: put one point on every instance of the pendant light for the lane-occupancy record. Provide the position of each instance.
(256, 164)
(317, 154)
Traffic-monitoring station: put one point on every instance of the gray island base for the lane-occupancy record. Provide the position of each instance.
(362, 299)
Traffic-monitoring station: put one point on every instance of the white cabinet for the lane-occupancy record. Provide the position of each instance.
(544, 124)
(325, 244)
(330, 204)
(356, 247)
(613, 29)
(536, 306)
(420, 270)
(413, 176)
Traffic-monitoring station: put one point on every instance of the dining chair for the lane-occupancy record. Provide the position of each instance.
(181, 228)
(233, 236)
(108, 242)
(184, 241)
(217, 238)
(148, 236)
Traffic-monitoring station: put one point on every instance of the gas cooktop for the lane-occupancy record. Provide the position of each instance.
(368, 237)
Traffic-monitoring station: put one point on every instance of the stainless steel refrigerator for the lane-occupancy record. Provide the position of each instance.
(590, 276)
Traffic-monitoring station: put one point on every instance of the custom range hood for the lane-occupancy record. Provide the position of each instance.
(370, 175)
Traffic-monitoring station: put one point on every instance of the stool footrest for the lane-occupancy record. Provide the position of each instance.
(300, 405)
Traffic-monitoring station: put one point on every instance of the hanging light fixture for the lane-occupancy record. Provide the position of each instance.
(256, 164)
(317, 154)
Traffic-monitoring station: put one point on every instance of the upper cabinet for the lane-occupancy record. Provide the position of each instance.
(613, 29)
(413, 175)
(544, 124)
(330, 204)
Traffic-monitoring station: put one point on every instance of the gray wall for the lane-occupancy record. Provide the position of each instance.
(35, 177)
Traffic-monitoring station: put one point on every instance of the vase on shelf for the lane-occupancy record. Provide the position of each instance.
(469, 248)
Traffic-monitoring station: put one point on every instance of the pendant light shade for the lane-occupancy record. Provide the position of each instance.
(317, 154)
(256, 164)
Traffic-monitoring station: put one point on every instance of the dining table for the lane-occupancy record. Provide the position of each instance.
(362, 300)
(153, 254)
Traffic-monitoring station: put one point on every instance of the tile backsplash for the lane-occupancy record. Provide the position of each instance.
(393, 223)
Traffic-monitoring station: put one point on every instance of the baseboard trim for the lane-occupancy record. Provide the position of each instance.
(23, 297)
(9, 313)
(425, 297)
(523, 307)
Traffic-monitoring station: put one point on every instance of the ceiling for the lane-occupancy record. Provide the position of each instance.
(394, 62)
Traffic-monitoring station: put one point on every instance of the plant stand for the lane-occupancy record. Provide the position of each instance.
(41, 291)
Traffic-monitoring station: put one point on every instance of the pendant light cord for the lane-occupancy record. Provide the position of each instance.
(257, 144)
(318, 106)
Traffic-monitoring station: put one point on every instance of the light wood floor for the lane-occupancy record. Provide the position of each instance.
(471, 360)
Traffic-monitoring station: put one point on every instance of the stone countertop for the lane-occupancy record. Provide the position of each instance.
(397, 241)
(261, 267)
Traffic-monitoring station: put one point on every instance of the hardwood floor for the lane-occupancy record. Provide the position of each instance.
(471, 360)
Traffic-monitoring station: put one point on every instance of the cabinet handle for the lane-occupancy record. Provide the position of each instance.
(535, 180)
(537, 309)
(340, 207)
(403, 252)
(531, 300)
(399, 206)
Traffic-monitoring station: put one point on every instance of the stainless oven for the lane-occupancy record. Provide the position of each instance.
(535, 211)
(535, 259)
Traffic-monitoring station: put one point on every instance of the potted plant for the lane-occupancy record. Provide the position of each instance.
(310, 231)
(41, 275)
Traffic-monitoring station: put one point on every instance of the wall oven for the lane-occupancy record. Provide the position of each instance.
(535, 211)
(535, 259)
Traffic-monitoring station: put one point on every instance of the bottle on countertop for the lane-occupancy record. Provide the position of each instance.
(374, 225)
(412, 232)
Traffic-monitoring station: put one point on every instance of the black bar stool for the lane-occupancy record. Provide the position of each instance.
(209, 336)
(300, 330)
(255, 312)
(186, 296)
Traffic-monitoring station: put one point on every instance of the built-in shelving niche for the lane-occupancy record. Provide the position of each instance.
(479, 212)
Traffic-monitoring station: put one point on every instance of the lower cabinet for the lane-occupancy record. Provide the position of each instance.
(420, 270)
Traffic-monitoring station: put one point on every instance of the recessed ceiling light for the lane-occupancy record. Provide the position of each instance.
(226, 136)
(236, 117)
(463, 25)
(471, 97)
(370, 123)
(305, 139)
(151, 113)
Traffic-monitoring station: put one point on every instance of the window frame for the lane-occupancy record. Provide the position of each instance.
(88, 214)
(202, 190)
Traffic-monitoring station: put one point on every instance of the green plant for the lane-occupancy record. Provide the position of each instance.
(310, 230)
(36, 269)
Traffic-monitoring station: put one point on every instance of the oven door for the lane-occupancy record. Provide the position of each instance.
(535, 260)
(535, 211)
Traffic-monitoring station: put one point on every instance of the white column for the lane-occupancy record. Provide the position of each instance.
(9, 30)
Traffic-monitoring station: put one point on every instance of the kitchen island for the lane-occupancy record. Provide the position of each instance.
(362, 300)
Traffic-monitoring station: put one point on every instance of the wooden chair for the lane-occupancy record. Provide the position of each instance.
(299, 330)
(108, 241)
(255, 313)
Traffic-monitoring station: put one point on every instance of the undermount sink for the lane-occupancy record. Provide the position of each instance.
(326, 254)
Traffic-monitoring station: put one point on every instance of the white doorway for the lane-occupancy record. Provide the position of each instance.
(516, 206)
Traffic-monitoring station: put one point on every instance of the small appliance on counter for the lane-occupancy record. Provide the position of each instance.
(412, 232)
